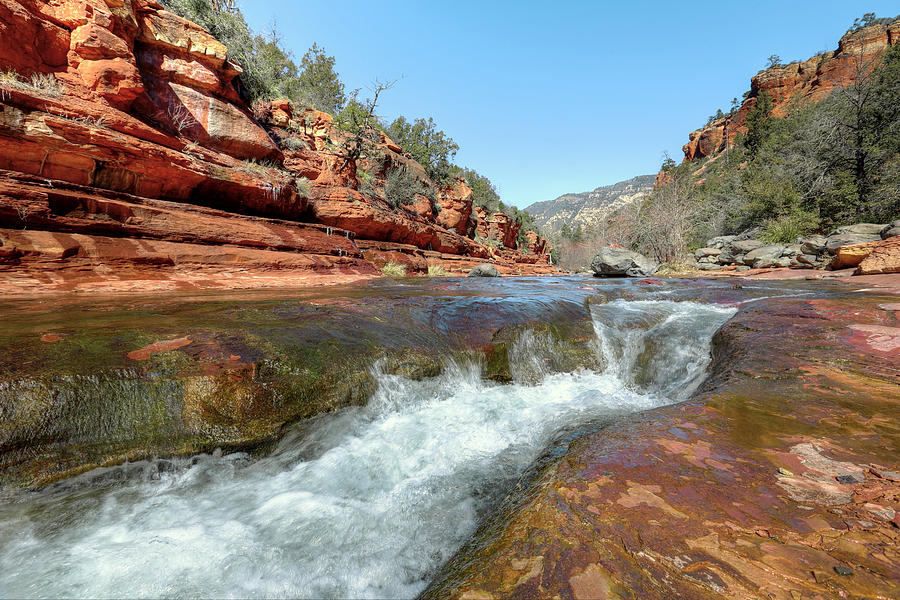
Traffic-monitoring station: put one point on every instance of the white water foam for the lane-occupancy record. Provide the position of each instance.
(365, 503)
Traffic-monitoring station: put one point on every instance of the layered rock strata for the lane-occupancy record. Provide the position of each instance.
(128, 154)
(810, 80)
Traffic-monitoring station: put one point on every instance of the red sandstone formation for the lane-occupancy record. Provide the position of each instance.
(135, 159)
(811, 80)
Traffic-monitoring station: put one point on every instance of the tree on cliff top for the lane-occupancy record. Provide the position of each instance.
(428, 145)
(268, 68)
(319, 84)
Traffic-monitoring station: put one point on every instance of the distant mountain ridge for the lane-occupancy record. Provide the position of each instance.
(589, 208)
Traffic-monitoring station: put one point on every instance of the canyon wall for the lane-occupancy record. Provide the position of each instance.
(810, 80)
(129, 160)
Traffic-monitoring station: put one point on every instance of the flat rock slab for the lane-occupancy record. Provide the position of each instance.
(769, 484)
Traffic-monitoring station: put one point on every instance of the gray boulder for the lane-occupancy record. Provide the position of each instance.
(808, 259)
(859, 229)
(890, 230)
(484, 270)
(814, 245)
(725, 258)
(710, 267)
(744, 246)
(792, 251)
(703, 252)
(848, 239)
(720, 241)
(618, 262)
(763, 254)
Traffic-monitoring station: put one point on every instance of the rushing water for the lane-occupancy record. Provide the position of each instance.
(368, 502)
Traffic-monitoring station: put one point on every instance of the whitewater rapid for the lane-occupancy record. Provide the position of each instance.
(367, 502)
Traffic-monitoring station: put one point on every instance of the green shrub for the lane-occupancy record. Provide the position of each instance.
(786, 229)
(268, 70)
(366, 182)
(429, 146)
(293, 143)
(392, 269)
(401, 187)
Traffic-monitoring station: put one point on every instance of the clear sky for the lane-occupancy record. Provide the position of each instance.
(552, 97)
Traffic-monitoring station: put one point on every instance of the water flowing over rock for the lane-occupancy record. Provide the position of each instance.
(618, 262)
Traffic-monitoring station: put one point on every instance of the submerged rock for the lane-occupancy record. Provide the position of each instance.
(618, 262)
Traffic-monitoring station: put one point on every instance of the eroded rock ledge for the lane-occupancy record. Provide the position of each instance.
(779, 480)
(130, 161)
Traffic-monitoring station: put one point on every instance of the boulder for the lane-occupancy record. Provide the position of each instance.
(710, 267)
(838, 240)
(813, 245)
(763, 254)
(744, 246)
(720, 242)
(484, 270)
(859, 229)
(703, 252)
(792, 251)
(884, 258)
(808, 259)
(726, 257)
(891, 230)
(618, 262)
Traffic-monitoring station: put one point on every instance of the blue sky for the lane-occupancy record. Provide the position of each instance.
(553, 97)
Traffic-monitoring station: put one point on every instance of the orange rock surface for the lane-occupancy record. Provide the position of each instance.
(884, 257)
(813, 80)
(143, 163)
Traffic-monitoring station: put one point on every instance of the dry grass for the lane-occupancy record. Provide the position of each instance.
(392, 269)
(436, 271)
(42, 83)
(304, 186)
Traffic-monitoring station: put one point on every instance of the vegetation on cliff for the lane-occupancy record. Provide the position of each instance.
(821, 165)
(269, 72)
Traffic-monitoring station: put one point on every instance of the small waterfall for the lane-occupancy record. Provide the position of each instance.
(657, 346)
(366, 502)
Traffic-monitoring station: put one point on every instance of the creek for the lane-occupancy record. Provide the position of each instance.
(367, 501)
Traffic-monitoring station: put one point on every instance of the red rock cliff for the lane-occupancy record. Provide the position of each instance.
(129, 160)
(813, 80)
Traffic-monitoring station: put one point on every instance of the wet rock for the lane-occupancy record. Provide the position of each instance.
(618, 262)
(484, 270)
